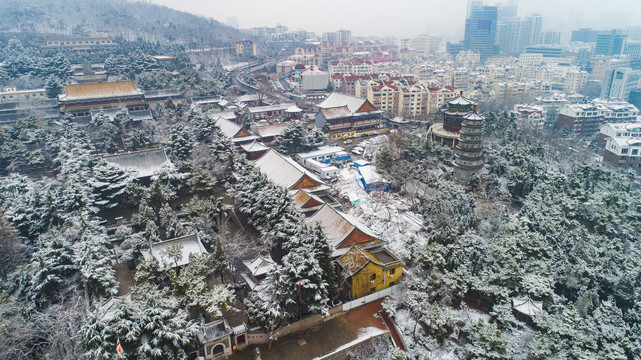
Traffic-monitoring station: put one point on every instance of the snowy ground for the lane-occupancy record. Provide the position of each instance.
(424, 347)
(363, 335)
(386, 213)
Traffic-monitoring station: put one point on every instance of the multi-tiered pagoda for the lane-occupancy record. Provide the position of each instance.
(469, 149)
(454, 111)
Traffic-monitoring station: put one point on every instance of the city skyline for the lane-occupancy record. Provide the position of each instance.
(372, 19)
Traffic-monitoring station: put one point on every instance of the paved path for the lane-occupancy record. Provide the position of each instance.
(321, 339)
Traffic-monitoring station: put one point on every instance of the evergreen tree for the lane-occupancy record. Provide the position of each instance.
(221, 266)
(293, 139)
(109, 184)
(149, 327)
(191, 289)
(53, 88)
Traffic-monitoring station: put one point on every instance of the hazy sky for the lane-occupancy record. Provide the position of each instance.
(405, 18)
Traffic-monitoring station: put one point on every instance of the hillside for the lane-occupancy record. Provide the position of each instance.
(29, 20)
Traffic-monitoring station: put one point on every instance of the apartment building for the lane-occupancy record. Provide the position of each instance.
(586, 119)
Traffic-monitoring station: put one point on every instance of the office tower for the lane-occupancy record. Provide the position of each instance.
(480, 30)
(633, 51)
(585, 35)
(551, 37)
(618, 83)
(530, 33)
(508, 11)
(507, 36)
(610, 43)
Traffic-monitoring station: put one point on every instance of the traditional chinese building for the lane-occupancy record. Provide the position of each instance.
(454, 111)
(363, 272)
(469, 149)
(345, 115)
(79, 100)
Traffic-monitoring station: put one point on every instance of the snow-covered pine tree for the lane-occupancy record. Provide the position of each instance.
(293, 139)
(191, 290)
(271, 304)
(304, 270)
(109, 183)
(53, 87)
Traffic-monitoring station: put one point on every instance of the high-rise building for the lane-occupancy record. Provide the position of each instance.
(509, 10)
(633, 51)
(618, 83)
(421, 44)
(530, 32)
(610, 43)
(480, 30)
(330, 37)
(344, 36)
(507, 34)
(585, 35)
(551, 37)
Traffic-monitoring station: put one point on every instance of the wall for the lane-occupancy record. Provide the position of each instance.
(256, 336)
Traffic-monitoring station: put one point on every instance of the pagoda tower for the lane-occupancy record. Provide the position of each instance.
(453, 111)
(469, 149)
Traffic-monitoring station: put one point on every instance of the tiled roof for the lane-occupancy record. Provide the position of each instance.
(355, 259)
(145, 162)
(338, 226)
(190, 245)
(101, 90)
(282, 170)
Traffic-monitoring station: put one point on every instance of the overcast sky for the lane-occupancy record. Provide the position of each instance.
(405, 18)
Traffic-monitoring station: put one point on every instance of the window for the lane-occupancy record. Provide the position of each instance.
(372, 290)
(624, 151)
(372, 277)
(635, 151)
(392, 272)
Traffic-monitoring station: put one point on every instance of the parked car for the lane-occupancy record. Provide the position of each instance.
(347, 142)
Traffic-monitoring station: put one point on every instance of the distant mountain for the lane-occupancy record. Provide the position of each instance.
(30, 20)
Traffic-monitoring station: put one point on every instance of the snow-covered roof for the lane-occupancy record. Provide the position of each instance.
(270, 130)
(293, 109)
(473, 116)
(283, 171)
(335, 100)
(286, 63)
(323, 150)
(145, 162)
(370, 175)
(527, 306)
(138, 115)
(233, 131)
(355, 259)
(336, 112)
(460, 100)
(227, 115)
(190, 245)
(306, 201)
(162, 93)
(338, 226)
(254, 147)
(260, 265)
(213, 331)
(277, 107)
(361, 162)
